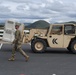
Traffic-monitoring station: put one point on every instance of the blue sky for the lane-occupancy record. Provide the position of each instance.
(33, 10)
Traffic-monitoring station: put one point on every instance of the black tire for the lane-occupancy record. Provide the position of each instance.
(31, 41)
(73, 47)
(35, 43)
(69, 49)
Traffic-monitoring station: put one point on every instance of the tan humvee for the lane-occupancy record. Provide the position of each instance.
(56, 36)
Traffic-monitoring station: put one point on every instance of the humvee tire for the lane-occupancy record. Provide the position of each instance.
(69, 49)
(38, 45)
(73, 47)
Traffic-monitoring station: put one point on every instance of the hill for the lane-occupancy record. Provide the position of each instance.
(74, 22)
(2, 24)
(26, 24)
(71, 22)
(38, 24)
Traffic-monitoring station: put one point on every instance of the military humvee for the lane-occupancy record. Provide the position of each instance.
(56, 36)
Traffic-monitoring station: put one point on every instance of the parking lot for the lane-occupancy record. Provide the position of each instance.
(52, 62)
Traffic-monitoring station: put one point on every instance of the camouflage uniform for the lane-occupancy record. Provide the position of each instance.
(17, 46)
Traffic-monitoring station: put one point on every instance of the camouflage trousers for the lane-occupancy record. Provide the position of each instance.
(17, 47)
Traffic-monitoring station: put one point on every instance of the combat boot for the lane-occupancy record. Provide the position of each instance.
(27, 58)
(11, 59)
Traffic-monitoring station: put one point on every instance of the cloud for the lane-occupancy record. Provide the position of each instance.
(4, 9)
(32, 10)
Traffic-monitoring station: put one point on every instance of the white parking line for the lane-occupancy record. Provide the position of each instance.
(53, 74)
(1, 45)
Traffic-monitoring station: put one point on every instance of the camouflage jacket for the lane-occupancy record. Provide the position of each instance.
(18, 37)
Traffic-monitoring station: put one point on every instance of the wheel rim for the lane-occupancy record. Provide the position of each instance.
(39, 46)
(74, 46)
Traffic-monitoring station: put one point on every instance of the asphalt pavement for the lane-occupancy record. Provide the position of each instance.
(52, 62)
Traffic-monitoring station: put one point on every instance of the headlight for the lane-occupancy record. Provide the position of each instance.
(41, 35)
(35, 34)
(38, 35)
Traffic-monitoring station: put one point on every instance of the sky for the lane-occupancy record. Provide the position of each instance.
(26, 11)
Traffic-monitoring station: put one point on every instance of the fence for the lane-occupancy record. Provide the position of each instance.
(1, 33)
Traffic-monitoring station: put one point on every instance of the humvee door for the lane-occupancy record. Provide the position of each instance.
(55, 38)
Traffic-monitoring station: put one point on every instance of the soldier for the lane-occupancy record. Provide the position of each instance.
(17, 45)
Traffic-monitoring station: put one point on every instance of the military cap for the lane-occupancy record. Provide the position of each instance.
(17, 24)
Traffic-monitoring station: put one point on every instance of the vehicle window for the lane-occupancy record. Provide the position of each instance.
(10, 22)
(69, 29)
(56, 30)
